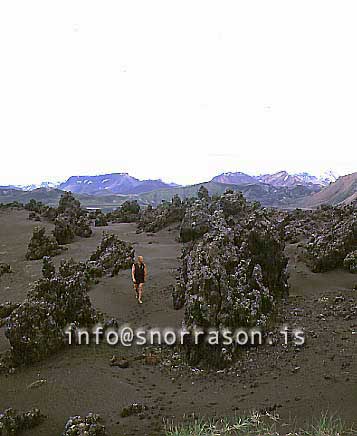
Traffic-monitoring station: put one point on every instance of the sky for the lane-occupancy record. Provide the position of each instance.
(177, 90)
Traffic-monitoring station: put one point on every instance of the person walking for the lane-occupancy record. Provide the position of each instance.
(139, 274)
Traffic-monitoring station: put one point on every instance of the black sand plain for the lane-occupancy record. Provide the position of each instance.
(298, 384)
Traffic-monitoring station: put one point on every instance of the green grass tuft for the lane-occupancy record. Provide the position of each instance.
(256, 425)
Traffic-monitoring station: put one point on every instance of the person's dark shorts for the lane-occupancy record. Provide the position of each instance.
(138, 281)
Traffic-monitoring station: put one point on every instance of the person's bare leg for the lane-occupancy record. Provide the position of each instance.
(136, 290)
(140, 290)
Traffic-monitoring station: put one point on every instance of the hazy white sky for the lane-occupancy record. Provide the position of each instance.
(179, 90)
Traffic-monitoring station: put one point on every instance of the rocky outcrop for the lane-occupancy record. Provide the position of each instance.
(231, 274)
(48, 269)
(155, 219)
(332, 240)
(41, 245)
(100, 220)
(13, 423)
(71, 220)
(35, 329)
(5, 311)
(350, 262)
(34, 217)
(64, 230)
(195, 223)
(128, 212)
(112, 255)
(35, 206)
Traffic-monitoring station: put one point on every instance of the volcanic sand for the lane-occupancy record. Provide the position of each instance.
(298, 383)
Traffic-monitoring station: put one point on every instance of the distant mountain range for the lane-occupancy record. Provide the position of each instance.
(117, 183)
(123, 183)
(279, 190)
(281, 178)
(32, 186)
(268, 195)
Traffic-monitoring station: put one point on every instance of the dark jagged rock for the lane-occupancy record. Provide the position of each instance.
(12, 205)
(119, 362)
(178, 295)
(91, 270)
(94, 270)
(328, 234)
(333, 239)
(5, 268)
(133, 409)
(33, 333)
(50, 213)
(100, 220)
(82, 227)
(232, 272)
(48, 269)
(90, 425)
(128, 212)
(13, 423)
(5, 311)
(41, 245)
(202, 193)
(350, 262)
(68, 204)
(195, 224)
(70, 267)
(113, 254)
(93, 213)
(34, 217)
(233, 204)
(35, 206)
(155, 219)
(64, 230)
(197, 219)
(6, 308)
(71, 220)
(38, 209)
(36, 328)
